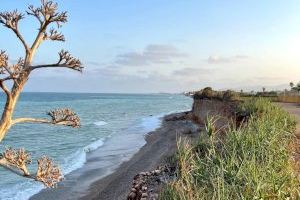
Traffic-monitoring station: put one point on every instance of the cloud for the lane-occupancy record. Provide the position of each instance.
(190, 71)
(215, 59)
(94, 63)
(152, 54)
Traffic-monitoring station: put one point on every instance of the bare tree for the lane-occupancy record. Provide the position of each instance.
(50, 20)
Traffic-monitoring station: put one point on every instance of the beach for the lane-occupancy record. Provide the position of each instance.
(92, 184)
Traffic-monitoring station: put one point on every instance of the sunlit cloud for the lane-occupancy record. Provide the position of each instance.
(215, 59)
(152, 54)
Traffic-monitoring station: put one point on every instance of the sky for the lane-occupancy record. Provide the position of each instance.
(148, 46)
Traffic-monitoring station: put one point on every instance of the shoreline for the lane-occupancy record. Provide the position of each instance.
(160, 145)
(90, 182)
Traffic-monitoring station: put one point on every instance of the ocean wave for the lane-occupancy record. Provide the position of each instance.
(77, 160)
(100, 123)
(151, 123)
(28, 188)
(25, 189)
(93, 146)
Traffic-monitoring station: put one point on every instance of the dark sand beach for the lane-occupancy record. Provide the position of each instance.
(92, 183)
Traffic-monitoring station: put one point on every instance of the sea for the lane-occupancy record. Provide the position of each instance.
(116, 123)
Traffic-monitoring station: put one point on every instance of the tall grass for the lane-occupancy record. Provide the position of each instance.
(289, 99)
(249, 162)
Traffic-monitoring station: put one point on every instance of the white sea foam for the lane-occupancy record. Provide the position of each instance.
(151, 123)
(27, 188)
(77, 160)
(100, 123)
(93, 146)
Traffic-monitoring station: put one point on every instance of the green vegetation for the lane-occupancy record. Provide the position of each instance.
(248, 162)
(295, 87)
(209, 93)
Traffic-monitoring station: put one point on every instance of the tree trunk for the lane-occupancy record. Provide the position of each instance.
(11, 100)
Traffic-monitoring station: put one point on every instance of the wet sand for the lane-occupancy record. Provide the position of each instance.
(91, 182)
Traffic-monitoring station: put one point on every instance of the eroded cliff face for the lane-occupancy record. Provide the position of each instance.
(224, 111)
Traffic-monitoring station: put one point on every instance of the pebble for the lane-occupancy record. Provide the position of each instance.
(157, 172)
(143, 173)
(144, 195)
(144, 188)
(132, 195)
(137, 186)
(133, 190)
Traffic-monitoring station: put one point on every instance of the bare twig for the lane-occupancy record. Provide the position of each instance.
(16, 160)
(65, 116)
(48, 173)
(11, 21)
(54, 35)
(65, 60)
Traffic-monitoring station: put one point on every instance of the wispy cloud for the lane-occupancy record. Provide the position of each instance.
(152, 54)
(215, 59)
(190, 71)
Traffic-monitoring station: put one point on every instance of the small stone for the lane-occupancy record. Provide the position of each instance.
(144, 188)
(148, 173)
(144, 195)
(137, 186)
(143, 173)
(157, 172)
(133, 190)
(132, 195)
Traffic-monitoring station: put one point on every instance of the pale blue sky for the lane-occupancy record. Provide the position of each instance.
(168, 45)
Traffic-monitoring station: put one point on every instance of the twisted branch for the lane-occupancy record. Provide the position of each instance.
(54, 35)
(65, 60)
(48, 173)
(11, 21)
(16, 160)
(14, 70)
(63, 116)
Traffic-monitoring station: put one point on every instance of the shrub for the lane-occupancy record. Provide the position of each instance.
(251, 162)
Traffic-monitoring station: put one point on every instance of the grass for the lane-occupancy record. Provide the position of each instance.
(289, 99)
(249, 162)
(280, 98)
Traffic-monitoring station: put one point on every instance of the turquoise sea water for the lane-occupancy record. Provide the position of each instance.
(104, 117)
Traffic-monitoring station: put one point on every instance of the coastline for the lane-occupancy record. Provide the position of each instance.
(91, 182)
(161, 144)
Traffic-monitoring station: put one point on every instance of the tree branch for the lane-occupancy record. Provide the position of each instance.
(4, 88)
(65, 60)
(64, 117)
(11, 21)
(16, 161)
(47, 14)
(31, 120)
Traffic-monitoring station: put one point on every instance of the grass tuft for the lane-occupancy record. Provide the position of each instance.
(249, 162)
